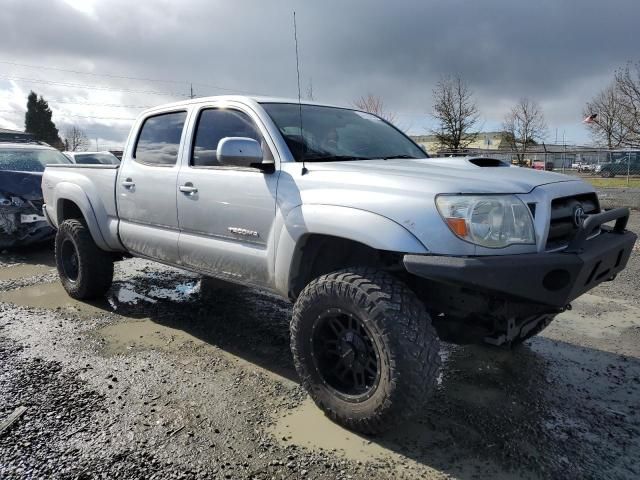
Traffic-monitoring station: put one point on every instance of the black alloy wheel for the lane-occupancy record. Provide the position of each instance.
(346, 357)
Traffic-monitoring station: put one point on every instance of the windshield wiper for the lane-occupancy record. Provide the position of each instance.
(334, 158)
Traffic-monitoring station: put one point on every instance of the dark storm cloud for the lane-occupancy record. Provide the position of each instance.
(557, 52)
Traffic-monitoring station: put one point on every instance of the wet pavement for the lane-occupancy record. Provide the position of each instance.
(173, 377)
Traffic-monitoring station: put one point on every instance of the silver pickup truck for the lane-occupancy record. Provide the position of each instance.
(383, 250)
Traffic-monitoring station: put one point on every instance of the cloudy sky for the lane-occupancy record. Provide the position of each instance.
(99, 62)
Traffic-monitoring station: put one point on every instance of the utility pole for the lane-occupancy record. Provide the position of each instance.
(191, 94)
(97, 149)
(564, 150)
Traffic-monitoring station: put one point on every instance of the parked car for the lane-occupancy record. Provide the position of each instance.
(382, 249)
(21, 166)
(620, 166)
(540, 165)
(587, 167)
(93, 158)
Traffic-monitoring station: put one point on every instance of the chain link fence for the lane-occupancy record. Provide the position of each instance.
(595, 162)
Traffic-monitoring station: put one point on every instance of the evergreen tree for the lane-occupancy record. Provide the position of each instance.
(37, 121)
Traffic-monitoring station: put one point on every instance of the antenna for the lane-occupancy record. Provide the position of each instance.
(295, 37)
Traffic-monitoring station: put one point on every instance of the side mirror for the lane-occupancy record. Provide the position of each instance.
(242, 152)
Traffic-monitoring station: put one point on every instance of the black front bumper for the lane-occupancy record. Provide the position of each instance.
(553, 279)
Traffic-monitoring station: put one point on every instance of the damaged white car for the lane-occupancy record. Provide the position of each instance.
(21, 167)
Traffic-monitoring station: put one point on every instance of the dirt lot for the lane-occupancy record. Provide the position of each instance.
(168, 379)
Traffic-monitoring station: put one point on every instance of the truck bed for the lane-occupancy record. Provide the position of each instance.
(90, 186)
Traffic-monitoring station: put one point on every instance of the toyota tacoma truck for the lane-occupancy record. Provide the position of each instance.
(383, 250)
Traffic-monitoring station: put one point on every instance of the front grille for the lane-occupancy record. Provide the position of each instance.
(562, 227)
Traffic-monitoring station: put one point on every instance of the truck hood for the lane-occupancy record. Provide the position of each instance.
(443, 174)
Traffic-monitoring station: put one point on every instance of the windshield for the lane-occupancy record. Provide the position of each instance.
(332, 133)
(96, 158)
(30, 160)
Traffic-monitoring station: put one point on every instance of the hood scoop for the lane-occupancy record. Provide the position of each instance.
(488, 162)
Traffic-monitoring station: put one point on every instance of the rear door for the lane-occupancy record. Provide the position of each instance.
(146, 188)
(226, 213)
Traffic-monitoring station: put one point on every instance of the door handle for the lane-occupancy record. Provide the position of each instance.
(188, 188)
(128, 183)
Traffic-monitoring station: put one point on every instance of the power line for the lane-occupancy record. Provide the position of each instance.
(59, 114)
(144, 79)
(112, 105)
(92, 87)
(99, 118)
(107, 75)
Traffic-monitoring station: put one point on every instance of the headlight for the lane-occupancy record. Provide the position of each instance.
(493, 221)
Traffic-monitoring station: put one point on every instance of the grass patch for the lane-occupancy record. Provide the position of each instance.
(614, 182)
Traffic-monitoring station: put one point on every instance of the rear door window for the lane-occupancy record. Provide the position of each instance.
(159, 140)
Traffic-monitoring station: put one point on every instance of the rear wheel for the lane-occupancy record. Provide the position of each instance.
(364, 347)
(85, 271)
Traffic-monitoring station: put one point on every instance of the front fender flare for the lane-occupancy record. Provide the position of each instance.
(368, 228)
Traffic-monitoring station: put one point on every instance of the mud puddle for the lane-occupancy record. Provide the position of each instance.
(51, 296)
(15, 271)
(400, 452)
(307, 426)
(123, 337)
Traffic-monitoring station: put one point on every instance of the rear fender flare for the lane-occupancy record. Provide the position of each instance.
(75, 194)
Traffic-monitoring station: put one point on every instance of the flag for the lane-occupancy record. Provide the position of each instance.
(591, 118)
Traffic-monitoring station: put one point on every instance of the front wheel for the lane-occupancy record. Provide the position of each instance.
(364, 348)
(85, 271)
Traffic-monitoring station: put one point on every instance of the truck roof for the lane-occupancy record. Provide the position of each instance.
(236, 98)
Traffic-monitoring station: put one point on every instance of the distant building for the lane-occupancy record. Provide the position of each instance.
(496, 145)
(481, 141)
(7, 135)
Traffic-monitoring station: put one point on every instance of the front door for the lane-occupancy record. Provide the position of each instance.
(146, 189)
(226, 213)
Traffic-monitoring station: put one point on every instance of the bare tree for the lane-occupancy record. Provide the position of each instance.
(524, 126)
(373, 104)
(75, 139)
(457, 113)
(608, 126)
(627, 84)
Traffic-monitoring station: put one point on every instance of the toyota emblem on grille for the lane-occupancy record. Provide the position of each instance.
(578, 216)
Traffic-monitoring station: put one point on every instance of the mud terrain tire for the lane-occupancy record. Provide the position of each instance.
(86, 272)
(394, 323)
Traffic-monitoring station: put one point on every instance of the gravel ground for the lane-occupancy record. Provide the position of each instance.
(172, 378)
